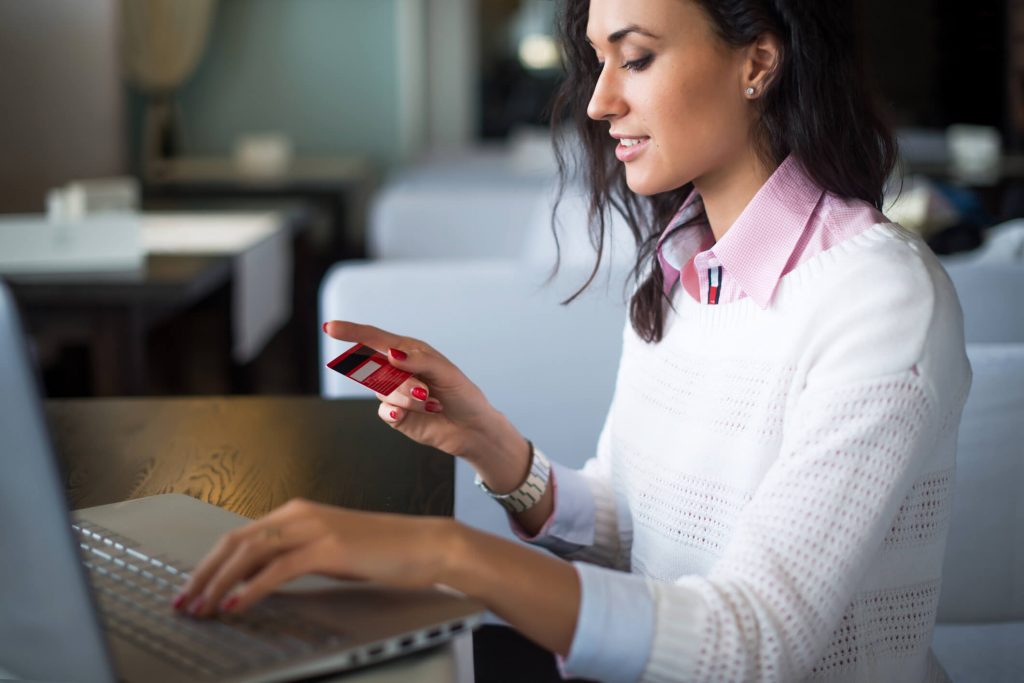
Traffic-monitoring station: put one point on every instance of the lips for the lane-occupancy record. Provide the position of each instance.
(630, 148)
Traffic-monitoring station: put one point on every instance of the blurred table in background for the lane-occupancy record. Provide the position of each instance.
(239, 266)
(113, 314)
(338, 187)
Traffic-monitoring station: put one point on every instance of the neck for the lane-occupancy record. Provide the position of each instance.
(727, 190)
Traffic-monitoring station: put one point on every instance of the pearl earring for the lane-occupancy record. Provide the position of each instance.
(749, 91)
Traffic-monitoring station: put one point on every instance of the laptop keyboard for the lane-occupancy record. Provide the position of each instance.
(134, 594)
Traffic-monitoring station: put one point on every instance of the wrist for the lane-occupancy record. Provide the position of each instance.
(500, 454)
(458, 568)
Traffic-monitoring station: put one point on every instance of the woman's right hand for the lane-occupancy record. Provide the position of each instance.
(439, 406)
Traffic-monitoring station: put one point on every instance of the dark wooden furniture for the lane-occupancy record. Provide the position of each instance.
(165, 329)
(112, 313)
(247, 455)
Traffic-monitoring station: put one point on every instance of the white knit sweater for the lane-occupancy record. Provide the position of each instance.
(783, 476)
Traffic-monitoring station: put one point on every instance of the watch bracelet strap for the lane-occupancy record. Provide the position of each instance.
(530, 491)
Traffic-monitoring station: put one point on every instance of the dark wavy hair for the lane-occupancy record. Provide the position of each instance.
(817, 107)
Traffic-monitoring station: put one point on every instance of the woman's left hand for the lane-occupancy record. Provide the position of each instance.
(300, 538)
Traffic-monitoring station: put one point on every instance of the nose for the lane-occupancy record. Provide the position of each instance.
(606, 102)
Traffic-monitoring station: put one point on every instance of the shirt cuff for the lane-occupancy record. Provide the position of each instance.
(614, 627)
(571, 524)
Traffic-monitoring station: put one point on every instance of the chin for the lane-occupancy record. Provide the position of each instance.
(647, 181)
(645, 185)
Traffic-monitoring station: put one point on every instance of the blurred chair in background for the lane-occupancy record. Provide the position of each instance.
(493, 203)
(980, 626)
(472, 204)
(992, 298)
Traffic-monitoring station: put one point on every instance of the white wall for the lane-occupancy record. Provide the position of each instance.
(454, 73)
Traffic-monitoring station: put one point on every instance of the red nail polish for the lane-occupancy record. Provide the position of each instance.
(398, 355)
(197, 606)
(433, 407)
(393, 414)
(419, 393)
(325, 328)
(179, 601)
(230, 604)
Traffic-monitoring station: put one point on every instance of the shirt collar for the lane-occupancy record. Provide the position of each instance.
(677, 246)
(755, 250)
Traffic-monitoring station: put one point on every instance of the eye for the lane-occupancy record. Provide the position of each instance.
(638, 64)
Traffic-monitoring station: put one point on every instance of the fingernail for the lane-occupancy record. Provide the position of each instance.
(433, 407)
(179, 601)
(230, 604)
(197, 606)
(398, 355)
(393, 414)
(419, 393)
(325, 328)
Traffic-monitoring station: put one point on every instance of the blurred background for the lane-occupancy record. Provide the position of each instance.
(179, 177)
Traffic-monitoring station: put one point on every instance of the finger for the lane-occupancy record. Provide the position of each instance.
(400, 399)
(410, 394)
(189, 598)
(373, 337)
(226, 545)
(280, 570)
(250, 556)
(390, 413)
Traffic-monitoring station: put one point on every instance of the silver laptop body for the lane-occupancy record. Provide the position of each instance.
(65, 611)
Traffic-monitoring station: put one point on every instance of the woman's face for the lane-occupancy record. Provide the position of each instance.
(671, 90)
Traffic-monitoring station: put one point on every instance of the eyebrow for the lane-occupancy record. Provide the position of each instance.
(617, 36)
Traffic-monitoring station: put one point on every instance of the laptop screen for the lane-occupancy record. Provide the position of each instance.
(48, 625)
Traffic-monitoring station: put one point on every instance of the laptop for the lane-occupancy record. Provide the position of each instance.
(86, 595)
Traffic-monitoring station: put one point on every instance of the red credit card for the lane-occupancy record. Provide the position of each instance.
(370, 368)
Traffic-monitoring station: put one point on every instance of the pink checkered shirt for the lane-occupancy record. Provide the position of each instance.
(788, 221)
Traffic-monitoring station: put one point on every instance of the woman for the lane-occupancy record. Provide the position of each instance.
(770, 493)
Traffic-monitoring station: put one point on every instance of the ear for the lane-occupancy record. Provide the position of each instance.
(762, 59)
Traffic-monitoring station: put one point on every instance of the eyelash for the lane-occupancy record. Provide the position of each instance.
(635, 65)
(638, 64)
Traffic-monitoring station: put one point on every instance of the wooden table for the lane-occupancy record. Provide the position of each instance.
(246, 454)
(249, 455)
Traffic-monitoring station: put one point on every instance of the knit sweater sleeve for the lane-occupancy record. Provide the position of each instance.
(612, 524)
(857, 433)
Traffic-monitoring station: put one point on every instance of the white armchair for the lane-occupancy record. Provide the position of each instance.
(474, 204)
(992, 297)
(980, 630)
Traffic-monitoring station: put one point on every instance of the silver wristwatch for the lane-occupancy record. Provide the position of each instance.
(530, 491)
